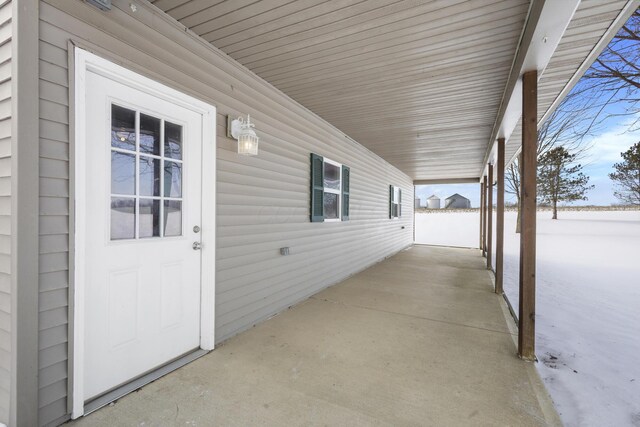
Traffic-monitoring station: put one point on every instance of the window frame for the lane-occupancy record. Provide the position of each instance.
(338, 192)
(395, 199)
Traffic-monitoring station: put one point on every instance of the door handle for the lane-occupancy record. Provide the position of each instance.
(197, 246)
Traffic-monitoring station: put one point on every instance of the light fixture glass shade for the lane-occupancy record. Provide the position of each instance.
(248, 143)
(247, 139)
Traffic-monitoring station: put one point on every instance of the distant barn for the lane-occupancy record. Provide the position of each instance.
(457, 201)
(433, 202)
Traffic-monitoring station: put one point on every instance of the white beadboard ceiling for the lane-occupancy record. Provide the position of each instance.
(417, 82)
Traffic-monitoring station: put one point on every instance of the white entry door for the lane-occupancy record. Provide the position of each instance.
(142, 232)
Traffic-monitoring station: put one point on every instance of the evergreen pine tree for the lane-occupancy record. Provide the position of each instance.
(560, 179)
(627, 176)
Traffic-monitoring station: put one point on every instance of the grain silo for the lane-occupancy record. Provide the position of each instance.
(433, 202)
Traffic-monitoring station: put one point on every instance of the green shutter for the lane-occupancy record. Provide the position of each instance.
(317, 188)
(399, 202)
(390, 201)
(345, 193)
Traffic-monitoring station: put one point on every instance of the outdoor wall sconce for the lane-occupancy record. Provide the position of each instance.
(241, 130)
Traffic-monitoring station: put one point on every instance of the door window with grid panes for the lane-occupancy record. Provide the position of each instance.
(146, 175)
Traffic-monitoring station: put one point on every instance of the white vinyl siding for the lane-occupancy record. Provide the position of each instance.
(262, 202)
(5, 208)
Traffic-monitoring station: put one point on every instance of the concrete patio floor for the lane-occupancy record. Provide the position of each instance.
(418, 339)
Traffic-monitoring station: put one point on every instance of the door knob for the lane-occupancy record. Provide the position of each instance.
(197, 246)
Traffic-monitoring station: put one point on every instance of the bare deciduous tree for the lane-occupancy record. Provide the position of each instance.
(615, 75)
(609, 88)
(567, 127)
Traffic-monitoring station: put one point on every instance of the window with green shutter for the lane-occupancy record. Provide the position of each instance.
(329, 190)
(317, 188)
(395, 202)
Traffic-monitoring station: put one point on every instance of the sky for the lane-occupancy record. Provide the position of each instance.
(604, 150)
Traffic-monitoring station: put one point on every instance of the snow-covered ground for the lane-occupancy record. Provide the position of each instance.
(448, 229)
(588, 306)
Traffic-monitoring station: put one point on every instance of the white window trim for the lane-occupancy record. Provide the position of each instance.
(334, 191)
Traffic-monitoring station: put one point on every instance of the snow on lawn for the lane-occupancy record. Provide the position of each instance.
(588, 306)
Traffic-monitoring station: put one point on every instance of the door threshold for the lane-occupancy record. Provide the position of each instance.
(117, 393)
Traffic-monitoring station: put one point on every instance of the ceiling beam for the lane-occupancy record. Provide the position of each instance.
(545, 26)
(446, 181)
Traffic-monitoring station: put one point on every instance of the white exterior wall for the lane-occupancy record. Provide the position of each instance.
(262, 202)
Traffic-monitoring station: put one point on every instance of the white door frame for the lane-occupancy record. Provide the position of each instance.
(87, 62)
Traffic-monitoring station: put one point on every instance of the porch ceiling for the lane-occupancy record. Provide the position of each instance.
(418, 82)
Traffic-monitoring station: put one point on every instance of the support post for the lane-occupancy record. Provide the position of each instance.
(500, 219)
(414, 214)
(527, 302)
(490, 218)
(484, 222)
(481, 210)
